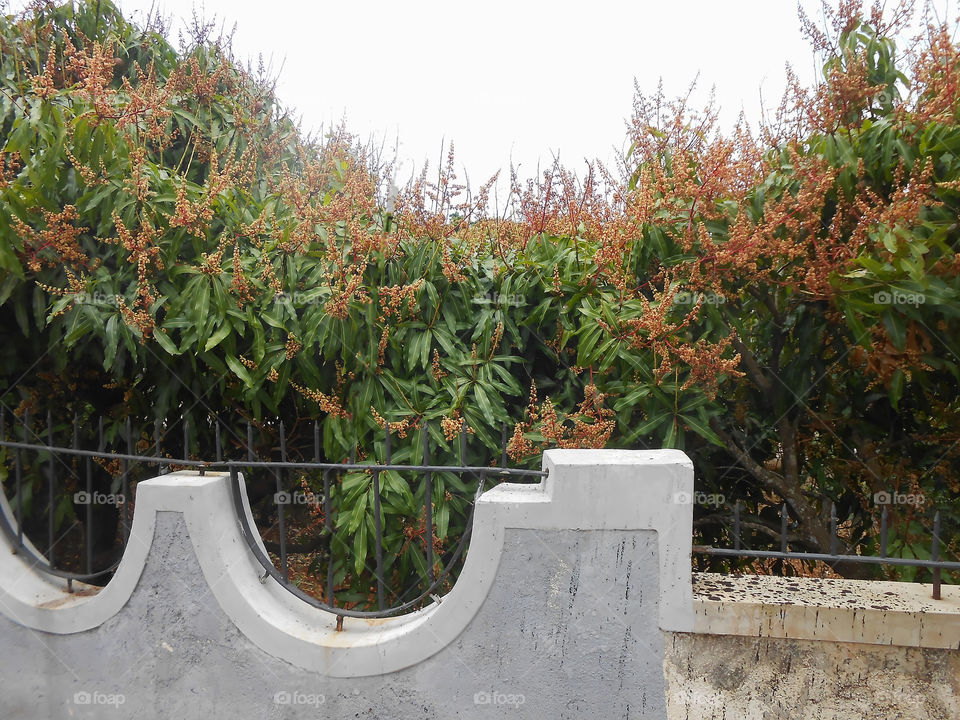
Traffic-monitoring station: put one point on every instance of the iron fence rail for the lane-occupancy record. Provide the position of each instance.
(935, 564)
(434, 580)
(51, 454)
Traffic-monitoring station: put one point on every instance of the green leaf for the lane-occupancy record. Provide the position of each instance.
(702, 428)
(360, 548)
(896, 387)
(239, 370)
(164, 341)
(217, 337)
(484, 402)
(111, 342)
(896, 328)
(356, 513)
(443, 520)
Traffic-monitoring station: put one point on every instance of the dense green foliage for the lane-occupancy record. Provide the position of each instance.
(782, 308)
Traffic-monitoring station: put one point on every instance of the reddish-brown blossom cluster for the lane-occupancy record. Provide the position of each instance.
(326, 403)
(56, 244)
(394, 299)
(436, 370)
(452, 426)
(400, 428)
(10, 164)
(348, 285)
(884, 359)
(591, 425)
(292, 346)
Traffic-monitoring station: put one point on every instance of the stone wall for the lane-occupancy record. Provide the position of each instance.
(721, 677)
(769, 648)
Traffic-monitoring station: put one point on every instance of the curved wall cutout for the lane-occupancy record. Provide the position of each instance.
(586, 490)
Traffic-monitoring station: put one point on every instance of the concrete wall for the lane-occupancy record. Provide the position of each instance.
(560, 612)
(576, 600)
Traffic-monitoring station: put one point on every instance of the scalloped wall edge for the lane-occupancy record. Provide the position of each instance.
(585, 490)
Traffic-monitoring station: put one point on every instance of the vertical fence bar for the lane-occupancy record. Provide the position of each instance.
(783, 528)
(833, 528)
(935, 555)
(51, 493)
(503, 445)
(378, 531)
(216, 432)
(88, 516)
(327, 519)
(378, 522)
(186, 438)
(281, 523)
(88, 507)
(123, 512)
(328, 526)
(156, 445)
(463, 460)
(125, 480)
(101, 446)
(428, 503)
(883, 532)
(736, 525)
(75, 442)
(18, 470)
(26, 439)
(281, 510)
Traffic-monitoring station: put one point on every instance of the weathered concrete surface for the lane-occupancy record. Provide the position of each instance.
(835, 610)
(568, 630)
(725, 677)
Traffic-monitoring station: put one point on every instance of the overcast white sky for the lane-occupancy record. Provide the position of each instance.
(521, 80)
(502, 80)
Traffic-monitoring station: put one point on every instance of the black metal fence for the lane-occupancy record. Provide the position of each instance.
(34, 463)
(835, 556)
(35, 459)
(38, 470)
(434, 580)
